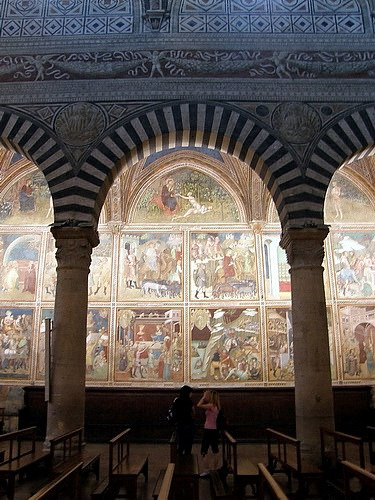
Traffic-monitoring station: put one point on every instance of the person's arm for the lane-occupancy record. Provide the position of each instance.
(203, 402)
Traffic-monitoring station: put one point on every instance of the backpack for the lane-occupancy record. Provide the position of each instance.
(221, 421)
(172, 413)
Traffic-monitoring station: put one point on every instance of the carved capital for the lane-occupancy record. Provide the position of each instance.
(305, 246)
(74, 246)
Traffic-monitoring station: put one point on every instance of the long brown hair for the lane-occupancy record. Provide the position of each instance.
(215, 399)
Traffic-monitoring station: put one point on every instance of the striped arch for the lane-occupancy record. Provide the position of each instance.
(19, 134)
(210, 125)
(349, 139)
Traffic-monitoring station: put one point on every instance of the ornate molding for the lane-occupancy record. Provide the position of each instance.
(124, 64)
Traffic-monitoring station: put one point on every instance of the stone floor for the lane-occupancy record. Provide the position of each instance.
(158, 459)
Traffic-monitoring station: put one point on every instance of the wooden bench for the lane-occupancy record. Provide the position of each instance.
(244, 471)
(337, 447)
(123, 470)
(163, 486)
(284, 455)
(186, 473)
(219, 487)
(22, 452)
(68, 450)
(358, 482)
(68, 483)
(268, 487)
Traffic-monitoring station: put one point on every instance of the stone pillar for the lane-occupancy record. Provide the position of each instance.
(313, 386)
(66, 405)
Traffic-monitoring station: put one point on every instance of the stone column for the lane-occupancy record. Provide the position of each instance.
(313, 386)
(66, 405)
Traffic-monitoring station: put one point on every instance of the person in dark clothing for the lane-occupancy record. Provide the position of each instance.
(185, 414)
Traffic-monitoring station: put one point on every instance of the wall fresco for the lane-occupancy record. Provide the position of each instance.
(27, 201)
(186, 195)
(223, 266)
(19, 258)
(16, 326)
(99, 282)
(97, 343)
(150, 267)
(225, 345)
(358, 342)
(276, 268)
(345, 202)
(280, 350)
(149, 345)
(354, 260)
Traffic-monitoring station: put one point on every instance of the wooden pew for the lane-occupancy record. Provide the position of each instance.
(123, 469)
(68, 483)
(67, 450)
(163, 486)
(186, 470)
(337, 447)
(21, 453)
(245, 472)
(268, 487)
(358, 482)
(284, 455)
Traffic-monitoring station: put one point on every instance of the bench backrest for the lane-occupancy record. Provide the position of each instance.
(166, 485)
(359, 483)
(119, 450)
(229, 452)
(285, 449)
(337, 447)
(268, 486)
(371, 443)
(65, 446)
(67, 482)
(17, 444)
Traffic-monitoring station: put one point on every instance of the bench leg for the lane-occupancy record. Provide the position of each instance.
(96, 468)
(145, 470)
(11, 486)
(131, 488)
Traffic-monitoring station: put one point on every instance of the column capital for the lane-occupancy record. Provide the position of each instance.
(74, 246)
(304, 246)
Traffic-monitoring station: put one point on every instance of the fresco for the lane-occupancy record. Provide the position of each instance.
(16, 325)
(225, 345)
(354, 260)
(27, 201)
(150, 267)
(40, 365)
(223, 266)
(49, 272)
(276, 268)
(97, 341)
(358, 342)
(186, 195)
(99, 281)
(149, 345)
(346, 203)
(19, 255)
(280, 355)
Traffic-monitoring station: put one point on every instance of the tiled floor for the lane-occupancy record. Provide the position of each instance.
(158, 459)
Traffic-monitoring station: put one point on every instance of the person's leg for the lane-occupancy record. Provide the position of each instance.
(204, 450)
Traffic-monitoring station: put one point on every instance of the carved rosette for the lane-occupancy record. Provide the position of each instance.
(304, 247)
